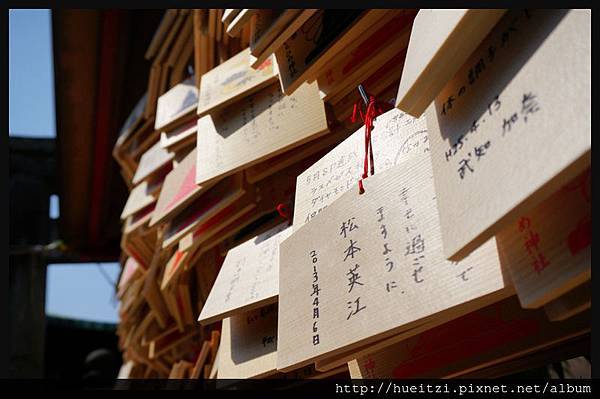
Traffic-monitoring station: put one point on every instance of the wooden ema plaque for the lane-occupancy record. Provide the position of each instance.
(318, 41)
(179, 189)
(139, 220)
(270, 191)
(236, 26)
(151, 291)
(352, 276)
(131, 272)
(213, 228)
(488, 336)
(178, 301)
(258, 126)
(249, 344)
(134, 246)
(440, 42)
(548, 250)
(249, 277)
(396, 136)
(224, 194)
(176, 104)
(499, 143)
(173, 267)
(140, 141)
(132, 122)
(175, 138)
(152, 161)
(233, 80)
(139, 198)
(308, 150)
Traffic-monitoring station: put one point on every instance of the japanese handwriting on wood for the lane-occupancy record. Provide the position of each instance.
(501, 147)
(396, 136)
(353, 285)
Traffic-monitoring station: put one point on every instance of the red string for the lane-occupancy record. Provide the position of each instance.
(373, 110)
(283, 211)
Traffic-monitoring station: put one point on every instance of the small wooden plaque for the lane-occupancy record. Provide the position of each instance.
(249, 277)
(396, 136)
(152, 160)
(549, 249)
(178, 190)
(232, 80)
(501, 139)
(351, 276)
(176, 104)
(440, 42)
(249, 344)
(261, 125)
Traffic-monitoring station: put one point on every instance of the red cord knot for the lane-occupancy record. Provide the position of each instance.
(283, 211)
(373, 110)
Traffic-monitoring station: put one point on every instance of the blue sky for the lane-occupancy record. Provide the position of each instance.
(80, 291)
(77, 291)
(30, 74)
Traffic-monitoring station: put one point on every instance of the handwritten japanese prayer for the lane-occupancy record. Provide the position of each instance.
(258, 126)
(395, 136)
(249, 276)
(441, 40)
(513, 125)
(371, 266)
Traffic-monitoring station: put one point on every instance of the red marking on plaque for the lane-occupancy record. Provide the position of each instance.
(531, 245)
(266, 63)
(186, 188)
(370, 366)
